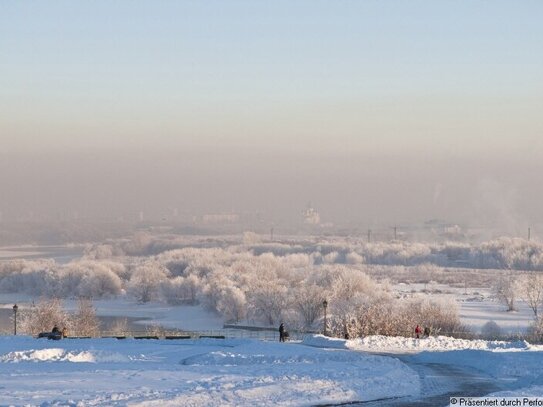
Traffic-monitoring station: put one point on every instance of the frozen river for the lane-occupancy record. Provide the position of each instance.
(107, 323)
(61, 254)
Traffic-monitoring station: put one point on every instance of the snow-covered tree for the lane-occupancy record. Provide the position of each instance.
(267, 301)
(232, 304)
(43, 316)
(84, 321)
(506, 290)
(145, 281)
(531, 290)
(307, 300)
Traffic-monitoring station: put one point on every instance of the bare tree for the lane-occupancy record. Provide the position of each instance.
(506, 289)
(531, 289)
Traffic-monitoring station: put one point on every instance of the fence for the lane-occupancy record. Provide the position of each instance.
(227, 333)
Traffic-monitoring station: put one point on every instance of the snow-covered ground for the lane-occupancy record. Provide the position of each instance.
(516, 366)
(198, 373)
(318, 370)
(396, 344)
(475, 312)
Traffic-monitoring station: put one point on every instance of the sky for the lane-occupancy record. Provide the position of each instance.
(374, 111)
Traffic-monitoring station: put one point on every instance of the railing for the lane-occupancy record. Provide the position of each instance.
(227, 333)
(262, 334)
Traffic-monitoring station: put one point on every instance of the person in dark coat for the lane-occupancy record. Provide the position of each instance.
(281, 333)
(427, 332)
(55, 334)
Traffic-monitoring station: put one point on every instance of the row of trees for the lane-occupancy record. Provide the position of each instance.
(288, 283)
(502, 253)
(235, 283)
(46, 314)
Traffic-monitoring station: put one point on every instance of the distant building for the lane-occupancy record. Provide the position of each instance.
(218, 218)
(311, 216)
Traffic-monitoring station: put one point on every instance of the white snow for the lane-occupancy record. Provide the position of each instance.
(186, 372)
(516, 364)
(243, 372)
(396, 344)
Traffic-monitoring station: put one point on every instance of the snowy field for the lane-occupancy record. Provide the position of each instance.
(319, 370)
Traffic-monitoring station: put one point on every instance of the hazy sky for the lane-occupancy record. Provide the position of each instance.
(372, 110)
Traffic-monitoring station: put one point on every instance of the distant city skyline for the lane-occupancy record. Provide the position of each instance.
(375, 111)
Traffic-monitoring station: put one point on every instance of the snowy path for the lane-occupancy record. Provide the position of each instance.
(439, 382)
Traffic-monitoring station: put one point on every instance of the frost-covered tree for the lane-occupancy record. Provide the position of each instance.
(535, 330)
(267, 301)
(146, 280)
(91, 279)
(354, 258)
(506, 289)
(84, 321)
(307, 301)
(531, 290)
(232, 304)
(43, 316)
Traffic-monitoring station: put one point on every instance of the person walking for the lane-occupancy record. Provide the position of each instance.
(426, 332)
(418, 330)
(281, 333)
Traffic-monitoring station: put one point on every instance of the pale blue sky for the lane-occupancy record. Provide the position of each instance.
(282, 79)
(370, 74)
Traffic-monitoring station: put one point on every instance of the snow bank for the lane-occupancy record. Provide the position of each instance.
(321, 341)
(396, 344)
(61, 355)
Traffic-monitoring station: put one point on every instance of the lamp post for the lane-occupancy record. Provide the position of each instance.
(15, 308)
(324, 306)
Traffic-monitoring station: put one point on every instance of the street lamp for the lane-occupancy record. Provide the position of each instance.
(15, 308)
(324, 305)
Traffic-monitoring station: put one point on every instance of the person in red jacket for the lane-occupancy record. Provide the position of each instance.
(418, 331)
